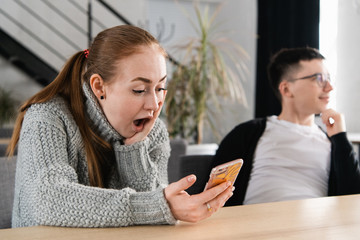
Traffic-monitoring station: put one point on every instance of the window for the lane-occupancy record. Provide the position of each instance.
(328, 39)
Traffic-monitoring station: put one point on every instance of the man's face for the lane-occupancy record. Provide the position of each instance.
(310, 96)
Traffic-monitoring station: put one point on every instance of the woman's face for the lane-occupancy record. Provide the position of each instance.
(136, 91)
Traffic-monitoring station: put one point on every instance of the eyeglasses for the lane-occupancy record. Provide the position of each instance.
(321, 79)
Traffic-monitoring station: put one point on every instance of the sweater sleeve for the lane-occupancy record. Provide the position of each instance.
(346, 165)
(48, 191)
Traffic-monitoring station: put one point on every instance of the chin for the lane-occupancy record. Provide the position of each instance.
(321, 110)
(128, 135)
(123, 133)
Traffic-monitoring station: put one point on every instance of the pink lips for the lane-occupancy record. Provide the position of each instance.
(325, 98)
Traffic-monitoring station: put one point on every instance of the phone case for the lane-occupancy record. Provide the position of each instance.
(224, 172)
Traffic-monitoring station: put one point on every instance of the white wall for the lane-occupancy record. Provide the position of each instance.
(239, 21)
(238, 16)
(348, 71)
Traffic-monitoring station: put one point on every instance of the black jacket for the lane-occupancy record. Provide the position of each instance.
(241, 143)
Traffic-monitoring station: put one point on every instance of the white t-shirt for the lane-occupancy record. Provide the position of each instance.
(291, 161)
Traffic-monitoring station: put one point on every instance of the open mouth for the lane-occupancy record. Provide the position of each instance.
(139, 122)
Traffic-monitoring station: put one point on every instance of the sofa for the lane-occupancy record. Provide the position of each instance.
(7, 183)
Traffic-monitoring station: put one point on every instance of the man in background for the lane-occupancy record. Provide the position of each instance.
(289, 157)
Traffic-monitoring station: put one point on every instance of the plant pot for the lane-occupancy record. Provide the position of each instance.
(202, 149)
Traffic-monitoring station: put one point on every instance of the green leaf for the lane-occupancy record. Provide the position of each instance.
(204, 78)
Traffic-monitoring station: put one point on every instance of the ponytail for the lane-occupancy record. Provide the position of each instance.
(68, 84)
(108, 47)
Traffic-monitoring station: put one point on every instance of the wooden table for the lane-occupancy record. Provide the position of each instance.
(319, 218)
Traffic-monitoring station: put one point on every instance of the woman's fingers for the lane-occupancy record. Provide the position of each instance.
(220, 196)
(181, 185)
(213, 192)
(199, 206)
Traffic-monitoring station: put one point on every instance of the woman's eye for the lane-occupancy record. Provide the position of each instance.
(138, 91)
(161, 89)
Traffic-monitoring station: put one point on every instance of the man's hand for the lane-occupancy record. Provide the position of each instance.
(334, 121)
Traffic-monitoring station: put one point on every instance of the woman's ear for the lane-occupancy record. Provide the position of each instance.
(285, 89)
(97, 86)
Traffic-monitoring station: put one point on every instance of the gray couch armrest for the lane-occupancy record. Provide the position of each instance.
(7, 185)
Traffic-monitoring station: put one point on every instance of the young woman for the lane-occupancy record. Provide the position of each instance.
(91, 149)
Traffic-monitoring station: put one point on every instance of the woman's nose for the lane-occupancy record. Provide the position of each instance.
(152, 102)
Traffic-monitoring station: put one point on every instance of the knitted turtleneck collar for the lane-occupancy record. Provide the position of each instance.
(97, 118)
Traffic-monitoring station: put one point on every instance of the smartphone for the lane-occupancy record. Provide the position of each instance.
(224, 172)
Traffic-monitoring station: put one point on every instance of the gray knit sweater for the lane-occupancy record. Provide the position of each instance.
(52, 184)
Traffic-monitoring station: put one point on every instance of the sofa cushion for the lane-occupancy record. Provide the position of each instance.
(200, 165)
(7, 184)
(178, 148)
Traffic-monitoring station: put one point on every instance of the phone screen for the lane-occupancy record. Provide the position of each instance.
(224, 172)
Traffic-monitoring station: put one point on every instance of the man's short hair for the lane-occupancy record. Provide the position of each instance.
(286, 61)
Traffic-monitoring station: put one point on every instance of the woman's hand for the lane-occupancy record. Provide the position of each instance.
(199, 206)
(139, 136)
(334, 121)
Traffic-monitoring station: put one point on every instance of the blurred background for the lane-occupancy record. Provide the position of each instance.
(36, 38)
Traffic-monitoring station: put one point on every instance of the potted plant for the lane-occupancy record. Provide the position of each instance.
(209, 72)
(7, 107)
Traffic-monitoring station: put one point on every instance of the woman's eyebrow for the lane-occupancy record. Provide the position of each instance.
(146, 80)
(162, 79)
